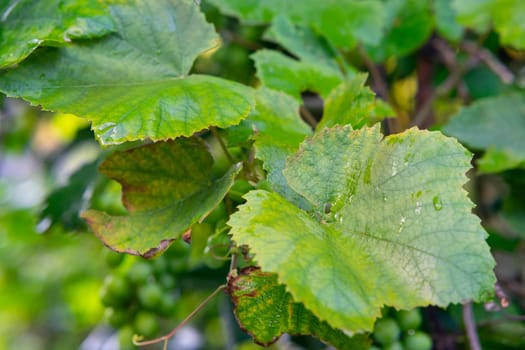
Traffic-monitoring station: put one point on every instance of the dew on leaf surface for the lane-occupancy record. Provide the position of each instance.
(419, 206)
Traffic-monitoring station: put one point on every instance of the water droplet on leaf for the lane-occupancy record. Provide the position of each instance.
(419, 206)
(401, 224)
(438, 205)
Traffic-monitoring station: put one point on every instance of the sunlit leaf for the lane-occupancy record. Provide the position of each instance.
(353, 103)
(280, 72)
(392, 226)
(134, 84)
(166, 187)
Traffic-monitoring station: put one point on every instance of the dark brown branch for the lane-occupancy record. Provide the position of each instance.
(308, 116)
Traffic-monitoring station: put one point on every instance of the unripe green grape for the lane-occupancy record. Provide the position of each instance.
(160, 265)
(167, 305)
(116, 318)
(112, 258)
(394, 346)
(115, 291)
(150, 295)
(386, 331)
(410, 319)
(125, 337)
(139, 273)
(146, 324)
(418, 341)
(167, 281)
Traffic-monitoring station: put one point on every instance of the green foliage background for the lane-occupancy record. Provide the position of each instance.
(182, 108)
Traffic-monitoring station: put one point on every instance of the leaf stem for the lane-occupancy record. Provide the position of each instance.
(470, 327)
(166, 337)
(222, 144)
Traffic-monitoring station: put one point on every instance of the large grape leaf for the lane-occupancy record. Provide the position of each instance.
(134, 84)
(495, 124)
(280, 72)
(266, 310)
(343, 22)
(392, 226)
(166, 187)
(351, 102)
(27, 24)
(505, 15)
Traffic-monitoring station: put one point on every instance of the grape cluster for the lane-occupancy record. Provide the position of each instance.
(139, 293)
(400, 330)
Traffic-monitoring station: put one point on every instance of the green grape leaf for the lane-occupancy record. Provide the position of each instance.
(167, 187)
(265, 310)
(134, 84)
(505, 15)
(27, 24)
(342, 22)
(411, 24)
(496, 124)
(279, 131)
(302, 42)
(392, 226)
(446, 21)
(280, 72)
(353, 103)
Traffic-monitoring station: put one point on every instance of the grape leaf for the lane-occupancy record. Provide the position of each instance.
(302, 42)
(392, 226)
(342, 22)
(280, 72)
(27, 24)
(505, 15)
(496, 124)
(167, 187)
(353, 103)
(446, 21)
(134, 84)
(279, 131)
(265, 310)
(410, 25)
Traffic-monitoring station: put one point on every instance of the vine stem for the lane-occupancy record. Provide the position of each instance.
(166, 337)
(222, 144)
(470, 325)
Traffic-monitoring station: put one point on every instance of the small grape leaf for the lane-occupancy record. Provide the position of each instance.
(280, 72)
(353, 103)
(505, 15)
(27, 24)
(279, 131)
(496, 124)
(265, 310)
(302, 42)
(134, 84)
(342, 22)
(166, 187)
(409, 25)
(446, 21)
(392, 226)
